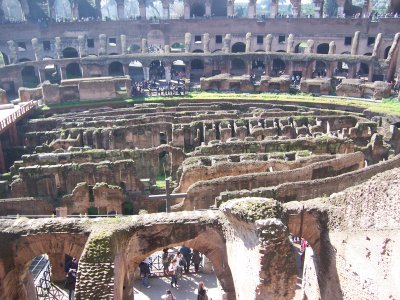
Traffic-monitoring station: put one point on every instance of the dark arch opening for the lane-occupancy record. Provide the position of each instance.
(363, 70)
(386, 53)
(135, 70)
(73, 70)
(134, 48)
(197, 9)
(52, 73)
(368, 54)
(258, 68)
(197, 64)
(278, 67)
(300, 47)
(197, 70)
(157, 70)
(238, 67)
(198, 51)
(320, 69)
(116, 69)
(219, 8)
(4, 60)
(342, 69)
(323, 48)
(29, 77)
(238, 47)
(178, 69)
(23, 60)
(70, 52)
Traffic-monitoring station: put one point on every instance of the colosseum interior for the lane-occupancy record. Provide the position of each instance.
(263, 134)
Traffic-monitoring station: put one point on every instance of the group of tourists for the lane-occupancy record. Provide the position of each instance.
(174, 265)
(157, 88)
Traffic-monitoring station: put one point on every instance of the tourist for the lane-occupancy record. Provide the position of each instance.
(144, 267)
(70, 280)
(202, 291)
(173, 269)
(168, 296)
(196, 258)
(165, 261)
(187, 255)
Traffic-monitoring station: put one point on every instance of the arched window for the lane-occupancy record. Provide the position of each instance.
(73, 70)
(116, 69)
(70, 52)
(238, 47)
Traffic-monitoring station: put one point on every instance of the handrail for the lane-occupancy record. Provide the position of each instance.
(16, 115)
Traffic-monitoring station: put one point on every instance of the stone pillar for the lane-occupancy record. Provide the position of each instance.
(340, 11)
(63, 72)
(370, 72)
(81, 45)
(142, 9)
(145, 46)
(57, 44)
(13, 56)
(208, 8)
(393, 48)
(274, 8)
(126, 69)
(206, 43)
(165, 5)
(268, 42)
(61, 212)
(188, 42)
(227, 43)
(377, 46)
(167, 72)
(330, 68)
(248, 42)
(230, 8)
(310, 47)
(352, 70)
(290, 44)
(252, 9)
(75, 10)
(186, 9)
(146, 73)
(318, 8)
(37, 49)
(124, 48)
(355, 43)
(296, 7)
(332, 48)
(167, 49)
(42, 75)
(120, 9)
(102, 44)
(367, 8)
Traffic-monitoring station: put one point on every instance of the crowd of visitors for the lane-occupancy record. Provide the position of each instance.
(158, 88)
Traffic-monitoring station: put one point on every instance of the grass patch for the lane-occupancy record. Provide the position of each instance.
(387, 106)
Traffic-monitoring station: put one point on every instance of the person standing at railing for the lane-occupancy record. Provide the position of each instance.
(187, 255)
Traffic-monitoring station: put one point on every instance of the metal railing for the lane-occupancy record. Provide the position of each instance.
(16, 115)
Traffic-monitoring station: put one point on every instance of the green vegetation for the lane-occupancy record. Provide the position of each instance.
(387, 106)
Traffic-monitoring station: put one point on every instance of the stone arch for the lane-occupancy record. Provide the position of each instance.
(131, 9)
(206, 239)
(157, 70)
(198, 51)
(52, 73)
(196, 69)
(217, 51)
(320, 68)
(323, 48)
(197, 9)
(368, 54)
(30, 78)
(238, 47)
(4, 60)
(258, 67)
(278, 66)
(363, 70)
(178, 68)
(70, 52)
(342, 69)
(238, 66)
(62, 9)
(116, 69)
(24, 59)
(386, 52)
(73, 70)
(109, 9)
(135, 70)
(300, 47)
(12, 10)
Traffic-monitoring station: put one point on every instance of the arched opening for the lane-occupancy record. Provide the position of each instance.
(342, 69)
(178, 69)
(320, 69)
(219, 8)
(238, 67)
(109, 10)
(52, 73)
(134, 48)
(198, 51)
(63, 10)
(131, 9)
(240, 10)
(177, 47)
(197, 9)
(136, 71)
(23, 60)
(29, 77)
(363, 70)
(70, 52)
(386, 52)
(116, 69)
(300, 47)
(238, 47)
(73, 70)
(217, 51)
(157, 70)
(4, 60)
(196, 70)
(258, 68)
(113, 53)
(12, 11)
(368, 54)
(278, 67)
(323, 48)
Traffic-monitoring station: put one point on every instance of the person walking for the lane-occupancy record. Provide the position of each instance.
(168, 296)
(173, 271)
(187, 255)
(165, 261)
(196, 258)
(202, 291)
(144, 267)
